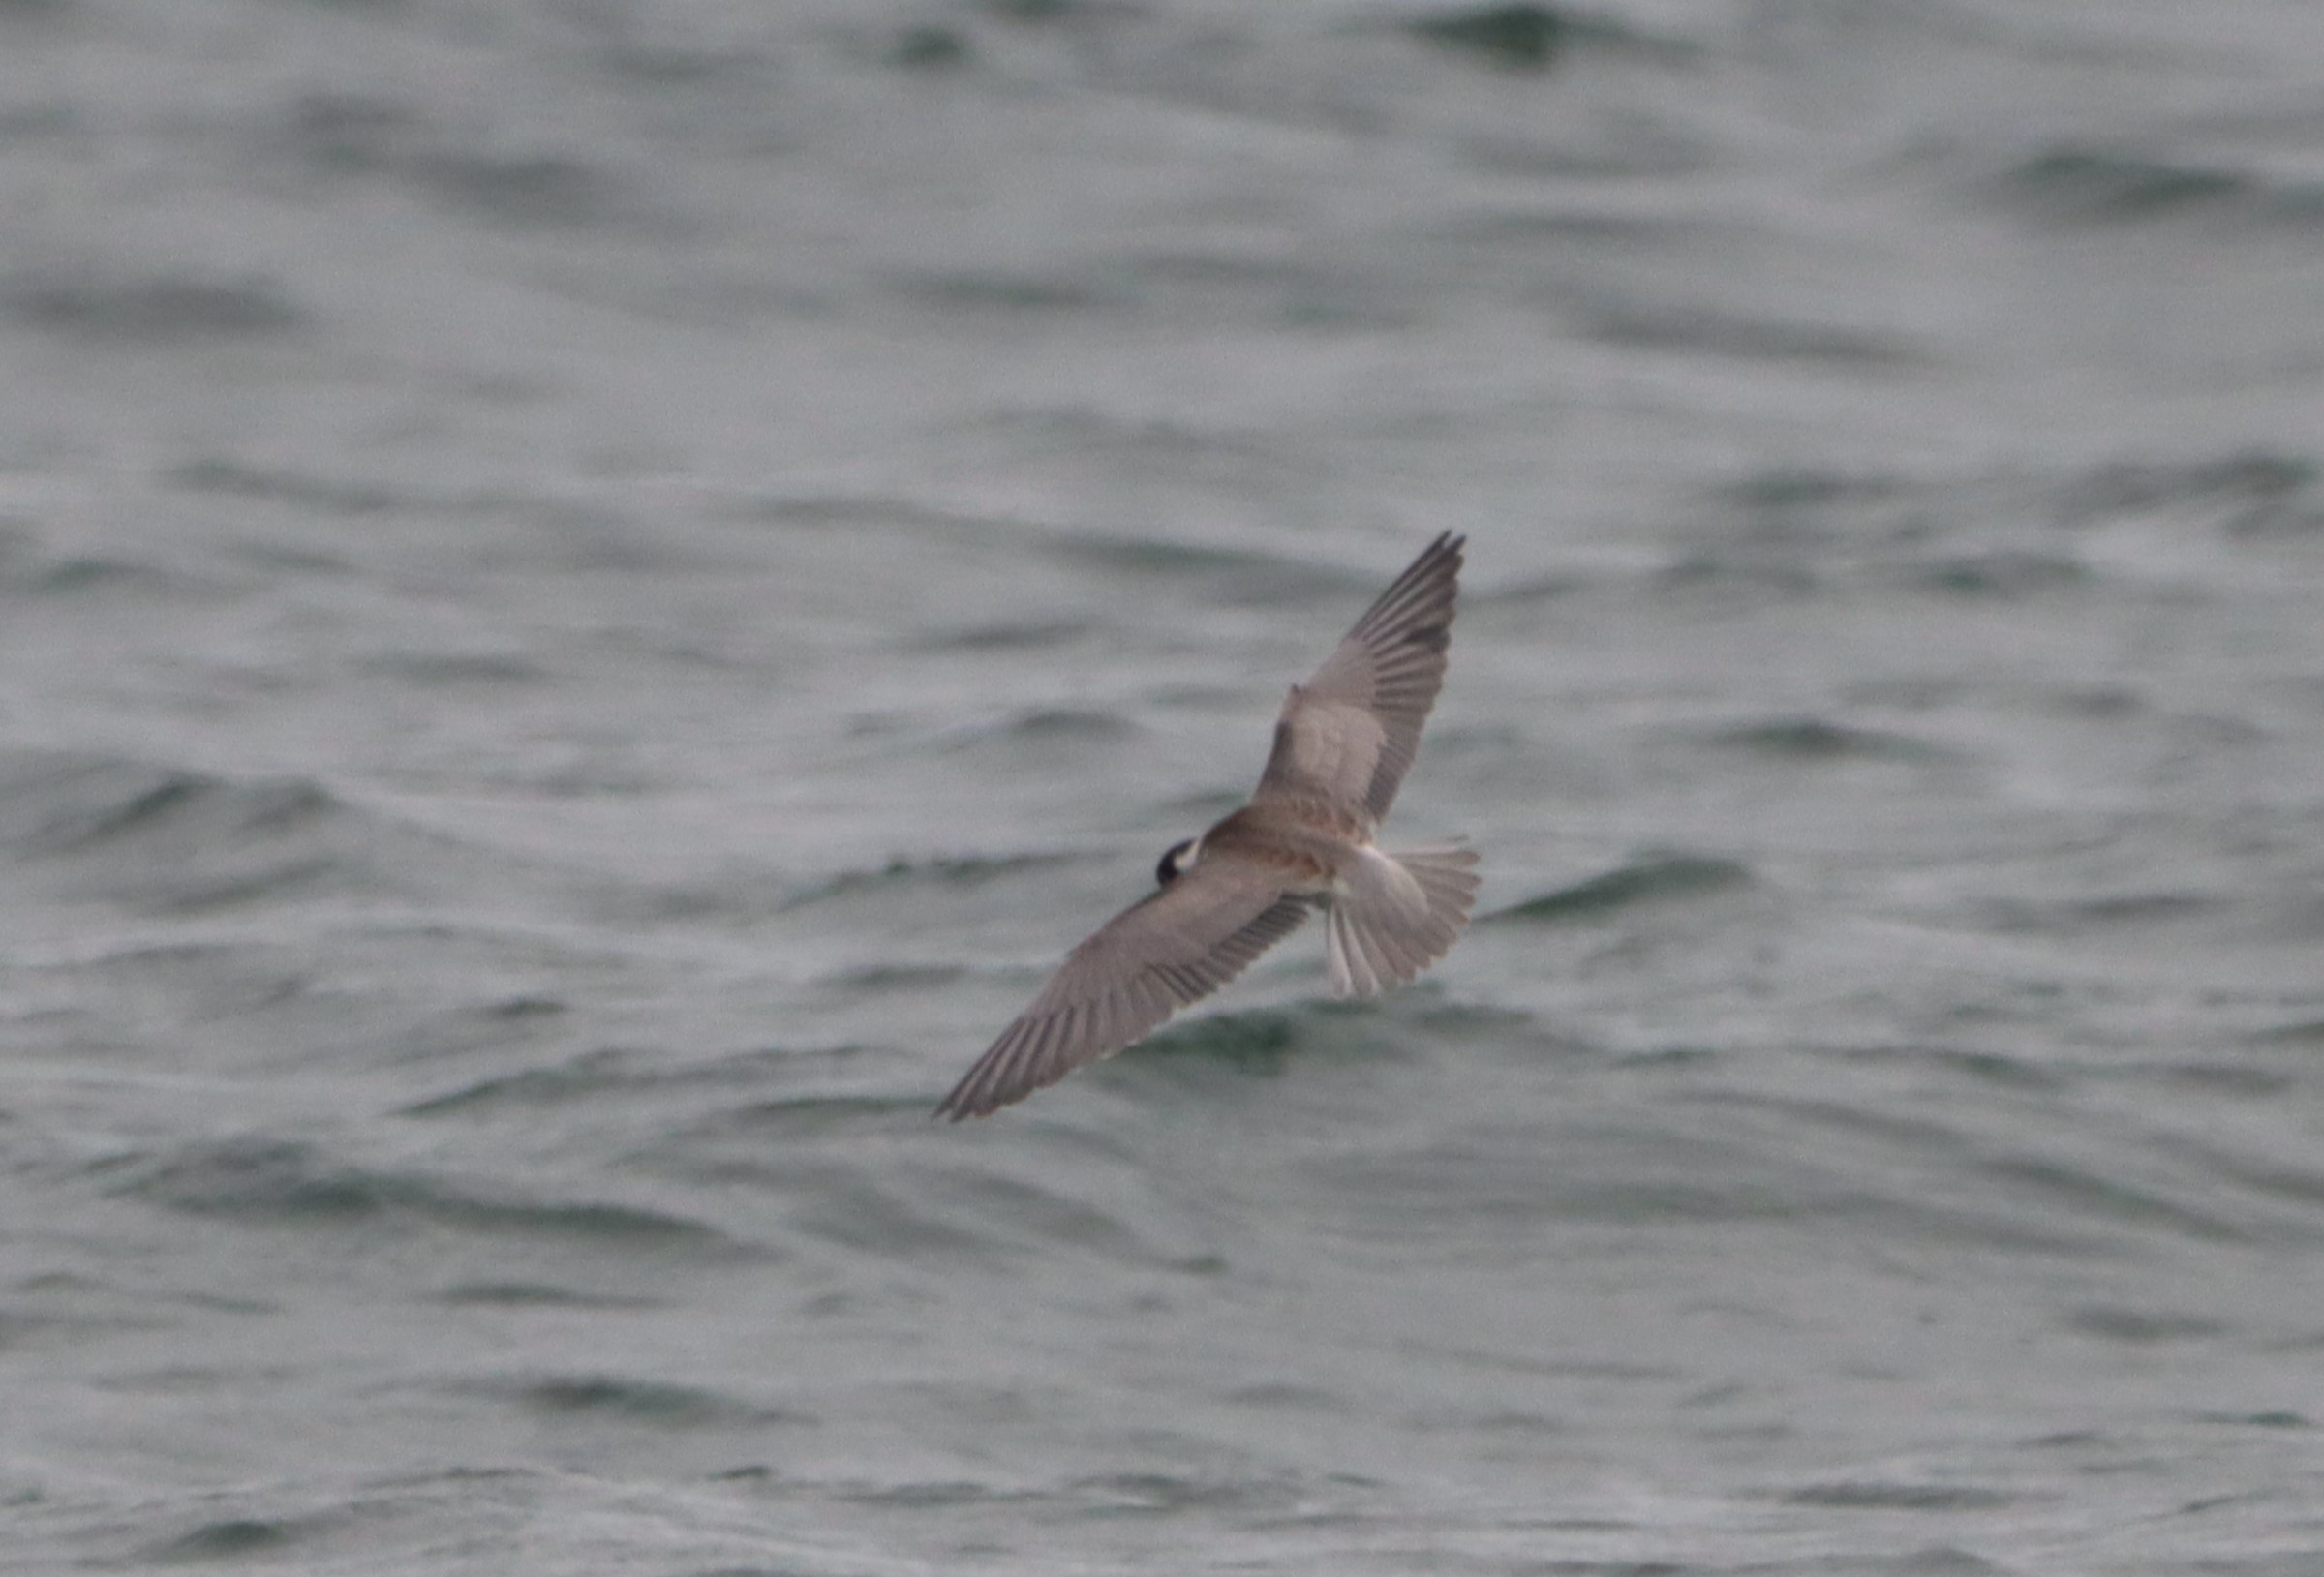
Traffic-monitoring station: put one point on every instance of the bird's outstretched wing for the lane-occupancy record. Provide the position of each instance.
(1349, 735)
(1171, 948)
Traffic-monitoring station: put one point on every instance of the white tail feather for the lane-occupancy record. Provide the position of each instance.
(1396, 914)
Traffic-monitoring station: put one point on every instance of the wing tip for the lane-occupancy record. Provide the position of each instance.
(995, 1080)
(1449, 544)
(979, 1095)
(1423, 591)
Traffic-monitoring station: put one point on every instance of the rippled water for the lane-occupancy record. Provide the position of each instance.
(590, 595)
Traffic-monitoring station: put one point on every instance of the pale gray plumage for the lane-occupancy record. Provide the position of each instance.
(1343, 745)
(1348, 735)
(1171, 948)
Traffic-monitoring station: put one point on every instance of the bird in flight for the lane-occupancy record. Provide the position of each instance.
(1343, 743)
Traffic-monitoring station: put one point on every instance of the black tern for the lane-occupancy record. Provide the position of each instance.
(1343, 743)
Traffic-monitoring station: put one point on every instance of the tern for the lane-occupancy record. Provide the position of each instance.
(1305, 842)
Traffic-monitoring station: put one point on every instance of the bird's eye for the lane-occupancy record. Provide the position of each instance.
(1174, 861)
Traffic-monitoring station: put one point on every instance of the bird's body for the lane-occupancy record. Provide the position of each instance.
(1306, 841)
(1310, 844)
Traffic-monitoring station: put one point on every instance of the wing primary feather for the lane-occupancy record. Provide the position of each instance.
(1350, 732)
(1105, 995)
(1424, 576)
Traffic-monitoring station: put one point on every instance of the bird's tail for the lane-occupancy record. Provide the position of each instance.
(1395, 915)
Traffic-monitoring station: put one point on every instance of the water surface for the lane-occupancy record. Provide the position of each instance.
(589, 596)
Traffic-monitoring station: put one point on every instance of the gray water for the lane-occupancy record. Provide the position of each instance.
(591, 594)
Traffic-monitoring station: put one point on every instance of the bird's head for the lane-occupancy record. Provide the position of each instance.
(1178, 860)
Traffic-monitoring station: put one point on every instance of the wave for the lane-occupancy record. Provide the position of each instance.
(1647, 878)
(298, 1183)
(159, 309)
(2084, 184)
